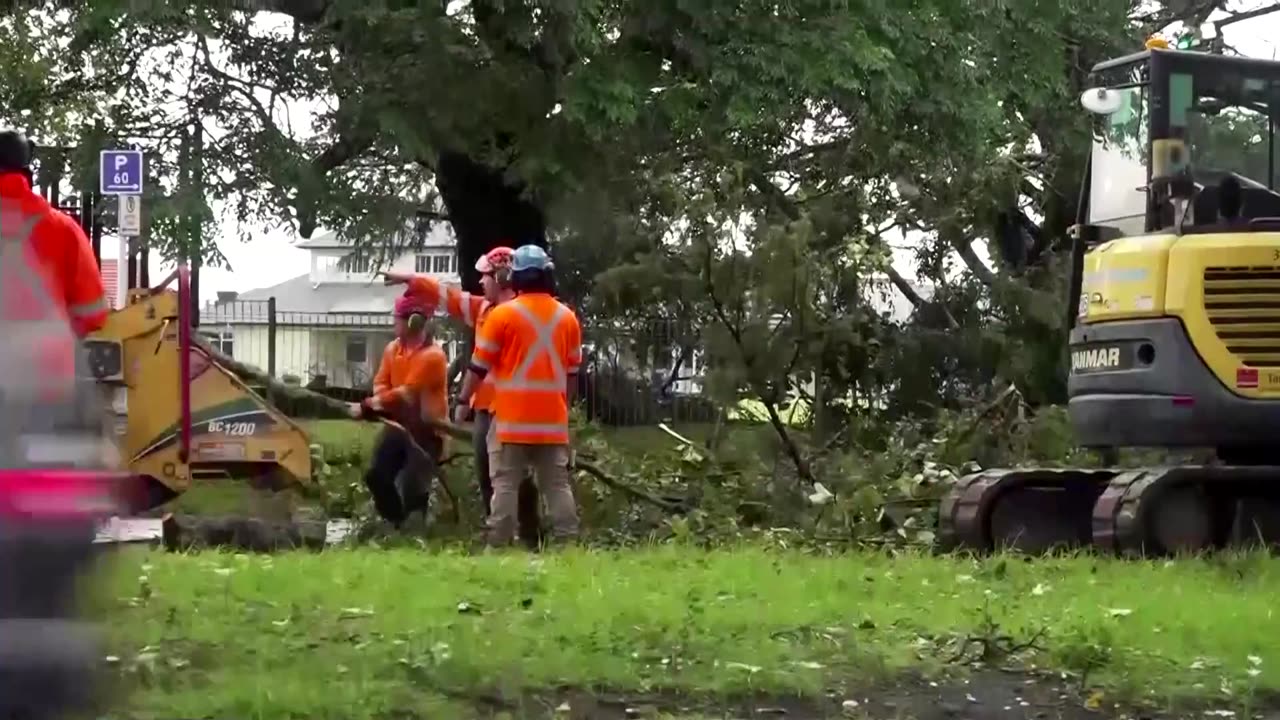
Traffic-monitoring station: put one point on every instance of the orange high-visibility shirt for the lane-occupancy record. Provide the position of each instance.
(406, 375)
(60, 251)
(531, 346)
(470, 309)
(39, 353)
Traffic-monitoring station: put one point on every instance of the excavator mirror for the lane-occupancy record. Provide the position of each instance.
(1102, 101)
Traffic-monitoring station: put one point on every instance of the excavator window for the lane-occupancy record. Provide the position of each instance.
(1227, 117)
(1117, 195)
(1225, 110)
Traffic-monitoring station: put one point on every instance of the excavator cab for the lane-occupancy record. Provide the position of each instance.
(1170, 127)
(1176, 337)
(1174, 317)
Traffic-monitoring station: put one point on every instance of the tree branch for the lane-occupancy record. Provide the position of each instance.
(775, 420)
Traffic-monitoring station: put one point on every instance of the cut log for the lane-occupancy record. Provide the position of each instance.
(190, 532)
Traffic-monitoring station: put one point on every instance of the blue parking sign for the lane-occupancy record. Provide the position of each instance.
(120, 172)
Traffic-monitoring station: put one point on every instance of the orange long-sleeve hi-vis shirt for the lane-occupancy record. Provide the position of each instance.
(471, 309)
(531, 346)
(411, 374)
(59, 250)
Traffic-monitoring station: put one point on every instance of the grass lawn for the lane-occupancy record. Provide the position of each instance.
(368, 633)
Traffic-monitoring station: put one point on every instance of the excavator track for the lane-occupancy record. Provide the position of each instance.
(1027, 510)
(1142, 512)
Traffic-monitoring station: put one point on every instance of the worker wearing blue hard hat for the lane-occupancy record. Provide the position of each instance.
(531, 346)
(531, 257)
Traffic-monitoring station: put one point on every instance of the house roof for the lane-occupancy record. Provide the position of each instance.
(441, 235)
(323, 241)
(299, 302)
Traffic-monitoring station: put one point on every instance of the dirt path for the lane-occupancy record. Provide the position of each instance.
(983, 696)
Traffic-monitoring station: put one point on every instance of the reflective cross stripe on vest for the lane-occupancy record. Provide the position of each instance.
(544, 341)
(30, 317)
(531, 428)
(88, 309)
(17, 226)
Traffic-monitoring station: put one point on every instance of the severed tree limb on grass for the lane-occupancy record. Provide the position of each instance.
(337, 408)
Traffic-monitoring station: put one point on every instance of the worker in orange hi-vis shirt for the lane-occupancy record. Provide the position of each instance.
(411, 379)
(532, 347)
(476, 397)
(57, 245)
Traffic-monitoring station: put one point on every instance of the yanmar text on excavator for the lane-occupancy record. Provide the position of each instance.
(1175, 315)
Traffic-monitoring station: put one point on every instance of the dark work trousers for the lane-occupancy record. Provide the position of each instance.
(528, 521)
(399, 477)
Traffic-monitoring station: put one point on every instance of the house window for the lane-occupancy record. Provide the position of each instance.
(223, 342)
(439, 263)
(357, 349)
(358, 264)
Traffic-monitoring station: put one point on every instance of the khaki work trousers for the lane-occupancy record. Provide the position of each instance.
(508, 463)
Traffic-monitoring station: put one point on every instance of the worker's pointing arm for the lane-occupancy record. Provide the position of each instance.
(456, 303)
(86, 298)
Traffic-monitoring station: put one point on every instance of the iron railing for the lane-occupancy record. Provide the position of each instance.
(634, 374)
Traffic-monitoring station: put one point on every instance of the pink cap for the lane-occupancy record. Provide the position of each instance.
(407, 305)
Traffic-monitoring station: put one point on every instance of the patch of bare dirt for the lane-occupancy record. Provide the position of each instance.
(989, 695)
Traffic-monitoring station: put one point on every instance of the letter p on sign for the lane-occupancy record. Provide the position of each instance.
(120, 172)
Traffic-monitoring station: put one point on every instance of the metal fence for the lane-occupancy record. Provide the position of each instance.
(633, 374)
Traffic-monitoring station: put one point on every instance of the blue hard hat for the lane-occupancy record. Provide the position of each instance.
(530, 257)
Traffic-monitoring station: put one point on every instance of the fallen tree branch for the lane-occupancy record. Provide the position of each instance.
(983, 415)
(669, 505)
(666, 429)
(735, 333)
(250, 373)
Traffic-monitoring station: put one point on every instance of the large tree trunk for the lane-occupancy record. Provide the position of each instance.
(486, 210)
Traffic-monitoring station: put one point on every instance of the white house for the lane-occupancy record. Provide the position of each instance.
(331, 323)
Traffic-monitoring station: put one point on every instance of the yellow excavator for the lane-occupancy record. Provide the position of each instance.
(179, 414)
(1175, 322)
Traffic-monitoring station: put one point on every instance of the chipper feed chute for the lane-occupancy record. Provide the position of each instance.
(179, 413)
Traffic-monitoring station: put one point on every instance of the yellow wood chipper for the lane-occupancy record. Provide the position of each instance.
(179, 413)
